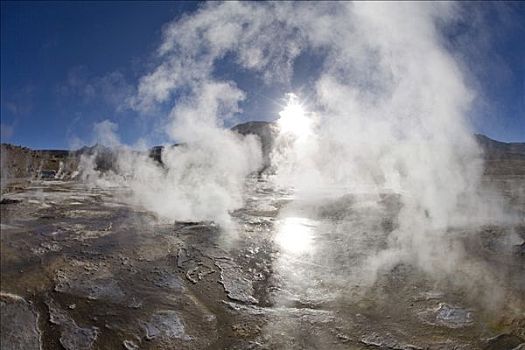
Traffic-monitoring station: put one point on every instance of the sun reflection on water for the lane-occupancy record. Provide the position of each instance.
(295, 235)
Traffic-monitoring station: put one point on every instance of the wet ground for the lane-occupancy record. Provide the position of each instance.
(80, 269)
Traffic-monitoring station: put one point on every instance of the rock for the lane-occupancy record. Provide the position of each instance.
(235, 284)
(90, 280)
(448, 316)
(77, 338)
(72, 337)
(386, 341)
(265, 131)
(168, 280)
(19, 324)
(9, 201)
(166, 325)
(505, 342)
(130, 345)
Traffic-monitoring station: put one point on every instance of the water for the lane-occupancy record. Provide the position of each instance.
(290, 274)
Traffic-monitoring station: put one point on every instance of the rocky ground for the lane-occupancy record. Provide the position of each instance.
(80, 269)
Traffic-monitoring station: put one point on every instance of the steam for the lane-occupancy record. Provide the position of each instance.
(201, 180)
(385, 115)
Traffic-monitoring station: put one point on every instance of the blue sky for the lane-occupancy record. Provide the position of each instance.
(68, 65)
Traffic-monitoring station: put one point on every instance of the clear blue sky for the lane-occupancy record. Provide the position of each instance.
(64, 66)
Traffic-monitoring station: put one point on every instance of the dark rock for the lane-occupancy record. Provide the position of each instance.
(266, 131)
(72, 336)
(166, 325)
(504, 342)
(19, 324)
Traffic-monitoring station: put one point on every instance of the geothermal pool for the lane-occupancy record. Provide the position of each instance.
(81, 269)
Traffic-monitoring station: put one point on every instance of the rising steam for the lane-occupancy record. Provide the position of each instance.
(385, 114)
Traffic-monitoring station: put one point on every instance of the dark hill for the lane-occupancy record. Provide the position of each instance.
(20, 162)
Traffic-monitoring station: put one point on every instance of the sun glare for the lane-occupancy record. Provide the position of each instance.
(293, 119)
(295, 235)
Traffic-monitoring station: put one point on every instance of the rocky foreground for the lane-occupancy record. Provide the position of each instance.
(80, 269)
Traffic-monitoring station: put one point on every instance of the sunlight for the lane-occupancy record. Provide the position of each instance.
(295, 235)
(293, 119)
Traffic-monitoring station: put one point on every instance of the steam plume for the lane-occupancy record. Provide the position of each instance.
(386, 114)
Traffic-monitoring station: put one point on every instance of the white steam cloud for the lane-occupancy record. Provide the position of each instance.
(386, 114)
(200, 180)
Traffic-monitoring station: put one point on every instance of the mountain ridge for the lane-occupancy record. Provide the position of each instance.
(23, 162)
(261, 128)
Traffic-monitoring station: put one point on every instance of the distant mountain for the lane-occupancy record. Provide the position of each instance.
(501, 158)
(492, 149)
(22, 162)
(497, 149)
(267, 132)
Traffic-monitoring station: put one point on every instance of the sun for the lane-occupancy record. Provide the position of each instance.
(293, 119)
